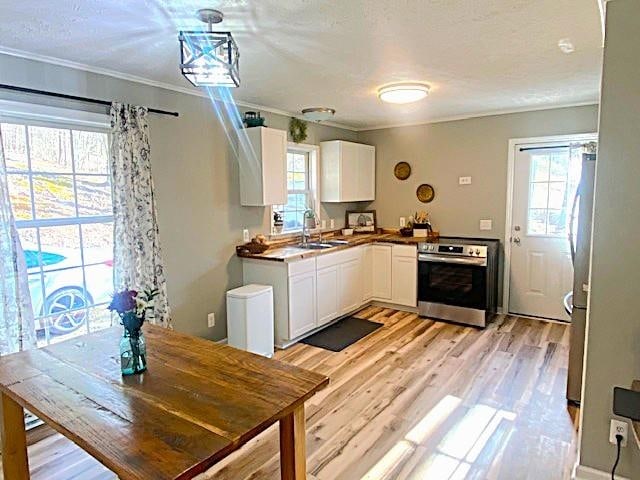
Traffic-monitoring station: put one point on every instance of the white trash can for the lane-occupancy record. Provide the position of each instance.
(250, 319)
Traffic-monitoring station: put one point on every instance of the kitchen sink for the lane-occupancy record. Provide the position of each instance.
(314, 246)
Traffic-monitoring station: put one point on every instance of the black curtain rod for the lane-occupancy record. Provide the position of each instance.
(525, 149)
(96, 101)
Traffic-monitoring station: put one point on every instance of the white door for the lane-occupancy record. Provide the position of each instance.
(381, 271)
(302, 303)
(404, 281)
(545, 180)
(349, 286)
(327, 294)
(367, 273)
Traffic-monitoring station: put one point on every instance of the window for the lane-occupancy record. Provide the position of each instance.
(60, 190)
(300, 187)
(553, 180)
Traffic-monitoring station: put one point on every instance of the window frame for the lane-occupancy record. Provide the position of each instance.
(313, 182)
(33, 115)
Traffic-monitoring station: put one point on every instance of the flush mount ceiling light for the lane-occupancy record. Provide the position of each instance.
(566, 46)
(403, 92)
(208, 58)
(318, 114)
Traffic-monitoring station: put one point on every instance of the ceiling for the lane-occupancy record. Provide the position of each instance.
(480, 56)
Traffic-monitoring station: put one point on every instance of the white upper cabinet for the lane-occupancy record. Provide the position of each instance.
(348, 171)
(262, 158)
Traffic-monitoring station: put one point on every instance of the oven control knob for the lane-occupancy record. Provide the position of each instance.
(471, 251)
(477, 251)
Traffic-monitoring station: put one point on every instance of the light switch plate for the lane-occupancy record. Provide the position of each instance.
(332, 223)
(323, 224)
(211, 320)
(486, 224)
(464, 181)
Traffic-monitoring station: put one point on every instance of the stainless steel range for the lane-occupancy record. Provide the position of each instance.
(457, 282)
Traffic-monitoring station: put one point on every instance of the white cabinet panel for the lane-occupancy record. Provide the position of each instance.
(302, 303)
(381, 255)
(366, 172)
(404, 280)
(367, 273)
(327, 294)
(347, 171)
(262, 159)
(349, 286)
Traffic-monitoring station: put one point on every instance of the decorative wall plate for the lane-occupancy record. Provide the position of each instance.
(425, 193)
(402, 170)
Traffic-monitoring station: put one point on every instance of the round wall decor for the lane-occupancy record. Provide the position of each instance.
(402, 170)
(425, 193)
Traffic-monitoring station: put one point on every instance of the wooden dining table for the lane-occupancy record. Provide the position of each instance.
(197, 402)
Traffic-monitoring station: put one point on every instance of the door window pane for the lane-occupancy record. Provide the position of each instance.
(554, 176)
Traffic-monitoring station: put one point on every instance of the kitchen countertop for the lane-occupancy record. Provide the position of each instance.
(287, 253)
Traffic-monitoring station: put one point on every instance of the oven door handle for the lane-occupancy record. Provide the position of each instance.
(429, 257)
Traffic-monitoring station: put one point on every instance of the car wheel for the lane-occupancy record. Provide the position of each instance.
(66, 309)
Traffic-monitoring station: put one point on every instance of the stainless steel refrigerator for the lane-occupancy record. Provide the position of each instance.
(576, 303)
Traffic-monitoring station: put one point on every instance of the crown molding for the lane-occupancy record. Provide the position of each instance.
(152, 83)
(469, 116)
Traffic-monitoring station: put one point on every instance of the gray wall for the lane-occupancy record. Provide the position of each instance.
(613, 348)
(439, 153)
(196, 179)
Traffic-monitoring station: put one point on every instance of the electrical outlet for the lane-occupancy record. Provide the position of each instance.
(323, 224)
(211, 320)
(245, 235)
(618, 428)
(486, 224)
(403, 221)
(464, 181)
(332, 223)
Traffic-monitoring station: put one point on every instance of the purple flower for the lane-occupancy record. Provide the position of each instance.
(123, 301)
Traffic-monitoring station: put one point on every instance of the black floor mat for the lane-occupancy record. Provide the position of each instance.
(341, 334)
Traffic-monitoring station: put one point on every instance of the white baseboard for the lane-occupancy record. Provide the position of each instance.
(224, 341)
(588, 473)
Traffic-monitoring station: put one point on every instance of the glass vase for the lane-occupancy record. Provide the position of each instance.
(133, 353)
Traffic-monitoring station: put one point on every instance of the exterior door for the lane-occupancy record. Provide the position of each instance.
(546, 177)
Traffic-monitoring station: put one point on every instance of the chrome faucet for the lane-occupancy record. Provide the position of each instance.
(311, 215)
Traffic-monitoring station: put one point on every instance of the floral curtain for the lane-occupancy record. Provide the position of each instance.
(17, 328)
(137, 255)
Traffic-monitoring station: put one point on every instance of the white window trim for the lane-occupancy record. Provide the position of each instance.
(314, 181)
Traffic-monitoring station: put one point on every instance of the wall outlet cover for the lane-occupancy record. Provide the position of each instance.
(211, 320)
(245, 235)
(403, 221)
(332, 223)
(486, 224)
(618, 427)
(464, 181)
(323, 224)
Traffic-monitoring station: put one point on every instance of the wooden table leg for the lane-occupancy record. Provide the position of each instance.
(15, 465)
(293, 456)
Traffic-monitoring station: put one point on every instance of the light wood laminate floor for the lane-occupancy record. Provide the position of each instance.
(416, 399)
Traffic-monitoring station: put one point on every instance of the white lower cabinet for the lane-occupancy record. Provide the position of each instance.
(404, 276)
(349, 285)
(327, 294)
(367, 273)
(312, 292)
(302, 303)
(381, 264)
